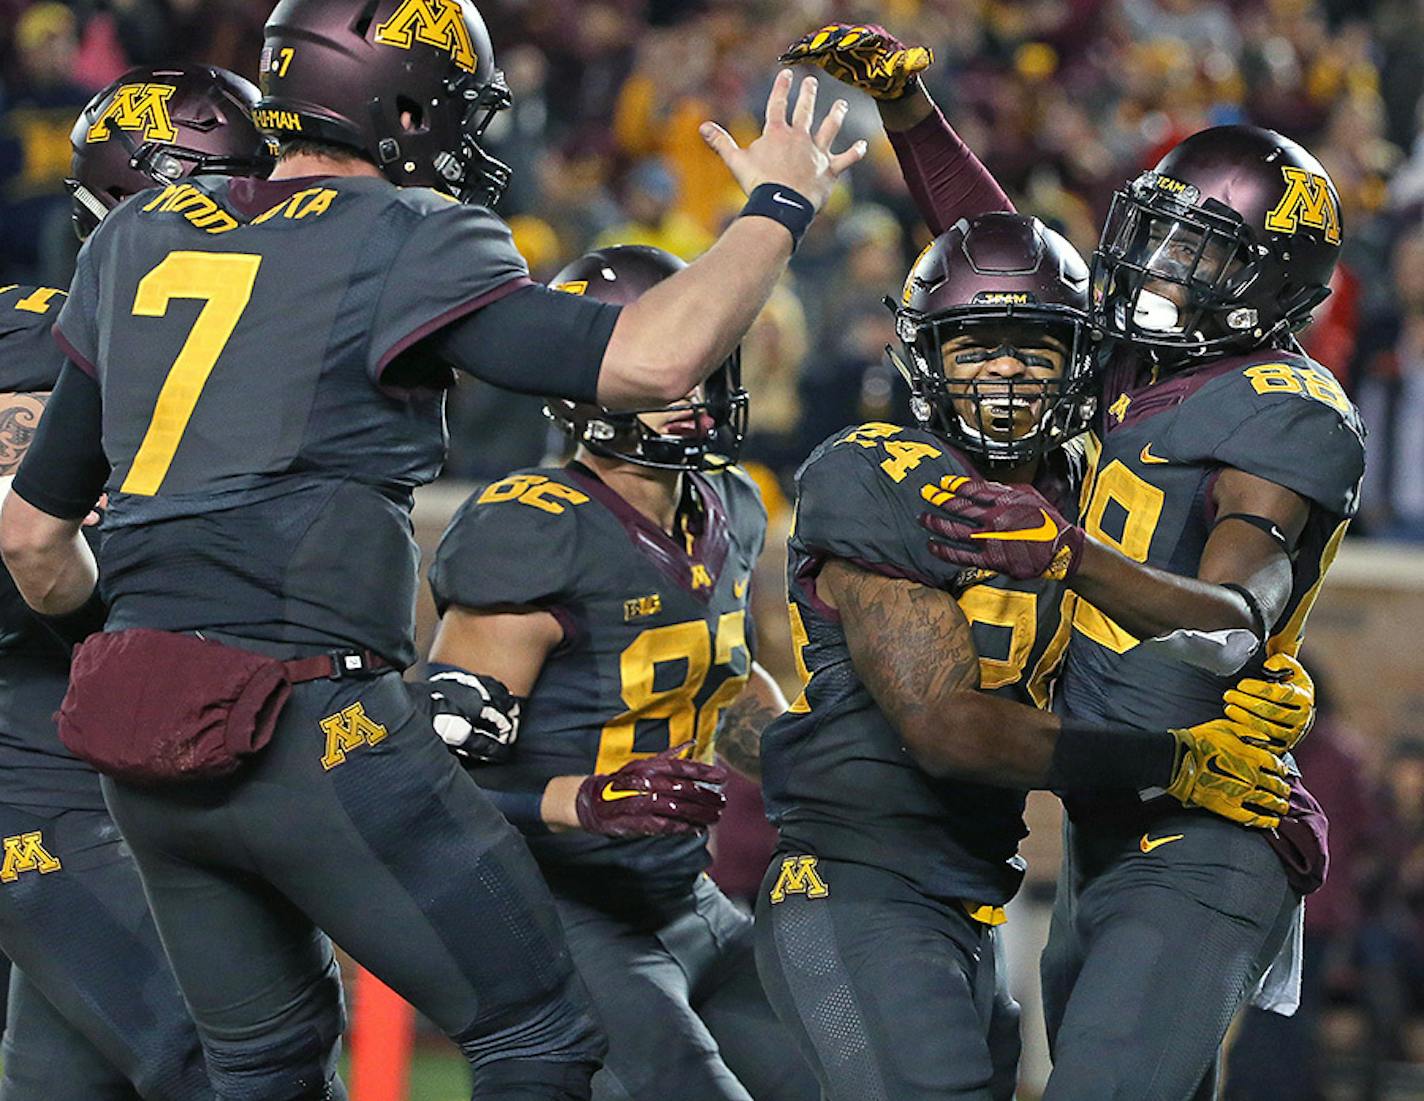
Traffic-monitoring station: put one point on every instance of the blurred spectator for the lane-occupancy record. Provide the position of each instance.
(650, 199)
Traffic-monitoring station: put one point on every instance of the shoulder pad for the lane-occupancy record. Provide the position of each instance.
(515, 541)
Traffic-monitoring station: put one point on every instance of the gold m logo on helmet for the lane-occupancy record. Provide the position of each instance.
(799, 877)
(1308, 201)
(26, 853)
(438, 23)
(141, 107)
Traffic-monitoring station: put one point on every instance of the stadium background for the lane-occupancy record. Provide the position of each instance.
(1064, 99)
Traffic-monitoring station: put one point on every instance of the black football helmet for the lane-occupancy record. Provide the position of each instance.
(409, 84)
(1226, 246)
(998, 274)
(153, 126)
(620, 275)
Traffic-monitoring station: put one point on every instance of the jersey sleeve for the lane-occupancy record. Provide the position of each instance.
(514, 542)
(76, 328)
(1288, 422)
(457, 258)
(851, 505)
(746, 507)
(29, 360)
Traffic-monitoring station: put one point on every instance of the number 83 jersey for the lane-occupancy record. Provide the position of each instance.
(838, 780)
(657, 643)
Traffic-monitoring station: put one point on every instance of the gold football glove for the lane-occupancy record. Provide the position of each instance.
(1278, 707)
(1218, 771)
(863, 55)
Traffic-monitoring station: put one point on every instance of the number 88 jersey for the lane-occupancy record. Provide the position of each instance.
(838, 780)
(657, 643)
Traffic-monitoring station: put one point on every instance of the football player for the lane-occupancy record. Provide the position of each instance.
(94, 1008)
(1229, 469)
(610, 595)
(261, 364)
(876, 919)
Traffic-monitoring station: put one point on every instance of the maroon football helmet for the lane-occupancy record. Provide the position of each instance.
(619, 276)
(1226, 246)
(153, 126)
(409, 84)
(1009, 280)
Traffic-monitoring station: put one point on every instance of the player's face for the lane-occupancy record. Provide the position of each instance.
(996, 377)
(1172, 251)
(682, 418)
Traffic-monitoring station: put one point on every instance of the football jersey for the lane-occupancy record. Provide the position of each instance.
(1274, 414)
(35, 768)
(838, 780)
(657, 643)
(263, 457)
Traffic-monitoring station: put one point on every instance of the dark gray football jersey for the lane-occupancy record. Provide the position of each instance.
(838, 780)
(35, 768)
(657, 641)
(1273, 414)
(263, 457)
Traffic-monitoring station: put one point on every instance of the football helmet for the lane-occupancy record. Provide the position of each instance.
(409, 84)
(1226, 246)
(998, 275)
(714, 424)
(153, 126)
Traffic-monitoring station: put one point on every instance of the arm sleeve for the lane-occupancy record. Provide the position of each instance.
(847, 507)
(946, 180)
(76, 330)
(499, 550)
(65, 469)
(534, 341)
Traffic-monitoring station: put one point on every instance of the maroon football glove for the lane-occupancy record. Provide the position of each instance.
(666, 794)
(1011, 530)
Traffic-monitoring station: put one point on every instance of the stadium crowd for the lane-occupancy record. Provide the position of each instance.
(1063, 99)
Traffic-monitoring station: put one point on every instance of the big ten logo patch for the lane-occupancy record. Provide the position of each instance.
(799, 877)
(141, 108)
(533, 490)
(25, 852)
(439, 23)
(347, 730)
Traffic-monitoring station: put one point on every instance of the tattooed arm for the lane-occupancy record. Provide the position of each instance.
(19, 417)
(739, 729)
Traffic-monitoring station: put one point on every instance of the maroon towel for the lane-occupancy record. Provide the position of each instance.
(150, 706)
(1302, 840)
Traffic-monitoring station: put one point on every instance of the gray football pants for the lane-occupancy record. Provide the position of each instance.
(892, 995)
(683, 1007)
(1150, 954)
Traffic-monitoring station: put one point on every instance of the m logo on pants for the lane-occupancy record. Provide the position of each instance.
(348, 729)
(799, 877)
(26, 853)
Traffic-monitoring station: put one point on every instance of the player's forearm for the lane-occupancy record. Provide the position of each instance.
(50, 562)
(681, 330)
(741, 725)
(946, 180)
(907, 112)
(1148, 602)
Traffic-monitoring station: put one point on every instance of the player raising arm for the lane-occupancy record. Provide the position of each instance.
(611, 595)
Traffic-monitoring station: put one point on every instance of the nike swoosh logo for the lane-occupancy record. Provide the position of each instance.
(610, 795)
(1148, 457)
(1046, 532)
(1148, 844)
(778, 197)
(1216, 770)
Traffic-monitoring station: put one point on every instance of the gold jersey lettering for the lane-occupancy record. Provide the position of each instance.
(199, 209)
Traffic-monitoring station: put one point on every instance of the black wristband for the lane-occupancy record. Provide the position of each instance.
(1261, 524)
(523, 809)
(781, 204)
(74, 627)
(1095, 758)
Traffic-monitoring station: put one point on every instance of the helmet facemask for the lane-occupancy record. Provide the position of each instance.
(472, 174)
(1012, 419)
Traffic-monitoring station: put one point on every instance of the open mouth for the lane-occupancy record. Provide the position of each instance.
(1009, 416)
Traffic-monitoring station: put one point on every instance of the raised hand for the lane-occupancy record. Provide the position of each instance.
(863, 55)
(787, 153)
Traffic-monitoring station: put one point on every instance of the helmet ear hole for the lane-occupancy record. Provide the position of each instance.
(412, 115)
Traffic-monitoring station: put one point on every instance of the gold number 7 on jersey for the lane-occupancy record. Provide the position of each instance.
(224, 282)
